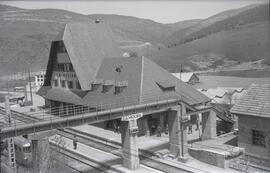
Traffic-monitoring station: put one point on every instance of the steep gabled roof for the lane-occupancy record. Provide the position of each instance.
(256, 102)
(87, 45)
(130, 72)
(153, 73)
(143, 77)
(185, 77)
(97, 61)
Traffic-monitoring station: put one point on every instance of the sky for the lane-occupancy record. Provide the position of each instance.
(160, 11)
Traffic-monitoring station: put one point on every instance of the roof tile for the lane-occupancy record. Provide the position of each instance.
(255, 102)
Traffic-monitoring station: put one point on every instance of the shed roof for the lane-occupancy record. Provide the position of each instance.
(256, 101)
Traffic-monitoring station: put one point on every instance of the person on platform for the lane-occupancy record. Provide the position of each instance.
(167, 129)
(190, 128)
(75, 143)
(197, 123)
(153, 129)
(158, 131)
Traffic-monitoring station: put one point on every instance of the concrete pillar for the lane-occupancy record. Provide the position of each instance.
(209, 127)
(146, 126)
(59, 82)
(129, 144)
(61, 109)
(66, 81)
(40, 155)
(161, 121)
(175, 135)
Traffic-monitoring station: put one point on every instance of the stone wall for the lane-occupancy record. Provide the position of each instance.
(258, 155)
(210, 157)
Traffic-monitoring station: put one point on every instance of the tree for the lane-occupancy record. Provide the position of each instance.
(133, 54)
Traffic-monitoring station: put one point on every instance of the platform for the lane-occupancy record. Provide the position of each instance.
(104, 158)
(153, 144)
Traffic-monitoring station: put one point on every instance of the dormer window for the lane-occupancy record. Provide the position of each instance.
(107, 85)
(96, 84)
(166, 85)
(120, 86)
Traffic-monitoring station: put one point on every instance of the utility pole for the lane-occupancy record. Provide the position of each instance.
(30, 86)
(11, 148)
(181, 115)
(182, 119)
(8, 87)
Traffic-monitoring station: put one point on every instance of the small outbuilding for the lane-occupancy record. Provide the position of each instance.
(253, 111)
(188, 77)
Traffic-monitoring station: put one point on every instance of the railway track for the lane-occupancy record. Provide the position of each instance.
(20, 116)
(115, 148)
(88, 165)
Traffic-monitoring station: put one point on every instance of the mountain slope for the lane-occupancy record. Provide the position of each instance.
(136, 28)
(234, 40)
(26, 37)
(214, 23)
(245, 43)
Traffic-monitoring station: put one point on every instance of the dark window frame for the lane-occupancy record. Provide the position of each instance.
(63, 83)
(259, 138)
(118, 89)
(55, 82)
(70, 84)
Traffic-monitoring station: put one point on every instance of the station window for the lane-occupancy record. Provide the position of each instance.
(63, 83)
(106, 88)
(27, 149)
(118, 89)
(78, 86)
(60, 67)
(56, 83)
(259, 138)
(70, 84)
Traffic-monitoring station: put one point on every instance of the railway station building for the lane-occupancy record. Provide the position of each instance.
(253, 111)
(87, 68)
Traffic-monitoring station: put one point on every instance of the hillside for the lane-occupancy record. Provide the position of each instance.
(186, 33)
(4, 8)
(182, 25)
(238, 38)
(136, 28)
(231, 47)
(225, 38)
(26, 35)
